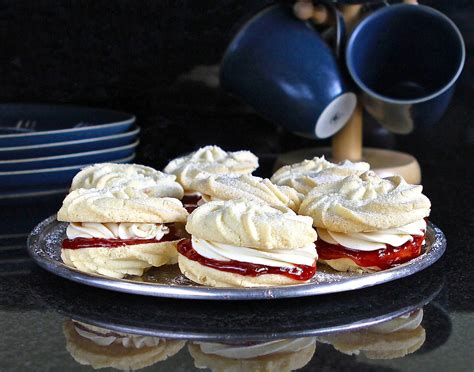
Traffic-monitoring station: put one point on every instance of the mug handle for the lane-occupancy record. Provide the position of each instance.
(339, 34)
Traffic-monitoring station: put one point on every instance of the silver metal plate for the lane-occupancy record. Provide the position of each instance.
(44, 246)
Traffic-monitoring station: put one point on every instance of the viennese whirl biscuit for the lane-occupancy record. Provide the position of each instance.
(239, 243)
(119, 232)
(367, 223)
(212, 160)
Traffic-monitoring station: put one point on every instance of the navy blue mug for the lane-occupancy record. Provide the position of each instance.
(281, 67)
(406, 60)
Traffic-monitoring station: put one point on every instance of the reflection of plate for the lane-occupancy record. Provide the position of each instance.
(45, 241)
(234, 320)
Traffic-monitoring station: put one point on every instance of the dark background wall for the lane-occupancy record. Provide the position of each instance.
(128, 54)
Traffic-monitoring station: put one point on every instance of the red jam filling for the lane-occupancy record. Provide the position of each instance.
(299, 272)
(79, 243)
(190, 202)
(382, 258)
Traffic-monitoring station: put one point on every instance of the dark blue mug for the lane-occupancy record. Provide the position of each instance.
(281, 67)
(406, 60)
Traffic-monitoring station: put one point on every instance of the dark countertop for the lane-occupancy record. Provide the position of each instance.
(34, 304)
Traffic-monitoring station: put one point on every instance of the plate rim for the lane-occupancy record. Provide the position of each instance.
(131, 119)
(32, 194)
(67, 156)
(259, 293)
(60, 169)
(60, 190)
(130, 133)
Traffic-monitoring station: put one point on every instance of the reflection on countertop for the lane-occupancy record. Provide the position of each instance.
(101, 329)
(100, 347)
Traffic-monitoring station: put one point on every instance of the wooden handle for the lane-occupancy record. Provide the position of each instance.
(305, 10)
(347, 143)
(414, 2)
(351, 14)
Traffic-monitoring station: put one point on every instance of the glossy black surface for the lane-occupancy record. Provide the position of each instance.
(245, 320)
(137, 71)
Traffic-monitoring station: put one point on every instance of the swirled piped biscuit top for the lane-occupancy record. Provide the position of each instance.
(365, 203)
(247, 187)
(107, 175)
(306, 175)
(249, 224)
(211, 159)
(119, 205)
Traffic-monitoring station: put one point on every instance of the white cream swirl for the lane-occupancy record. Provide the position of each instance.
(257, 350)
(306, 255)
(114, 230)
(105, 337)
(374, 240)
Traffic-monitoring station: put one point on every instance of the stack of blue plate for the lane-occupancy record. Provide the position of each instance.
(42, 147)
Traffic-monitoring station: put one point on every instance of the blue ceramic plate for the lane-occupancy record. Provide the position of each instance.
(27, 180)
(32, 124)
(88, 157)
(69, 147)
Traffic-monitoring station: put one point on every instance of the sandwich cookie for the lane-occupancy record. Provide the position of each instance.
(277, 355)
(388, 340)
(239, 243)
(102, 348)
(367, 223)
(119, 232)
(108, 175)
(246, 187)
(212, 160)
(306, 175)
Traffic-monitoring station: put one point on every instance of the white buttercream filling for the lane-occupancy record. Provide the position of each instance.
(406, 322)
(258, 350)
(205, 199)
(374, 240)
(112, 230)
(192, 193)
(128, 341)
(275, 257)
